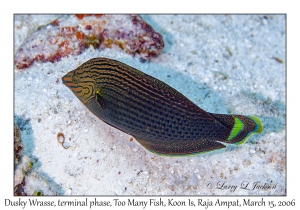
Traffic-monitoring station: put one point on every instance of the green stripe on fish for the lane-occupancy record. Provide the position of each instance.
(237, 127)
(159, 117)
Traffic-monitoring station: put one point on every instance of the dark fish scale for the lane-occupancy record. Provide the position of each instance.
(158, 116)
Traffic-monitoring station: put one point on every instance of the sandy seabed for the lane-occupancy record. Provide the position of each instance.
(230, 64)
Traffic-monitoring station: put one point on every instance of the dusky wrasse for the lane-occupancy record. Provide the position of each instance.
(159, 117)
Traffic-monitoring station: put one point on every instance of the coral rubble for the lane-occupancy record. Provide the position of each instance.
(72, 34)
(18, 145)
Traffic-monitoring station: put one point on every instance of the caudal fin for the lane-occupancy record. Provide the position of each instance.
(243, 128)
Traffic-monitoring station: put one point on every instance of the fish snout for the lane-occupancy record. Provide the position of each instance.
(67, 79)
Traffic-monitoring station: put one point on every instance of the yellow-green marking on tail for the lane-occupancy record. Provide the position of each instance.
(259, 126)
(258, 129)
(237, 128)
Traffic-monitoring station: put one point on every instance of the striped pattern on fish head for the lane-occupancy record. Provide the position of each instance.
(81, 82)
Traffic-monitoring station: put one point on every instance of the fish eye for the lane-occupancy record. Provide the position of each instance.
(75, 79)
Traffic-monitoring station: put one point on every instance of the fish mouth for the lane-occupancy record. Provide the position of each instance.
(67, 79)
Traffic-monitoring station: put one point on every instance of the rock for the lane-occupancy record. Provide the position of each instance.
(72, 34)
(18, 145)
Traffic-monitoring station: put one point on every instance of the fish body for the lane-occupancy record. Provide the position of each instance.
(159, 117)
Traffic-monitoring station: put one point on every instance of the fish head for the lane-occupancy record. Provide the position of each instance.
(81, 83)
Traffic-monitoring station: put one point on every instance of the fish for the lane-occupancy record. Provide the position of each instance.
(159, 117)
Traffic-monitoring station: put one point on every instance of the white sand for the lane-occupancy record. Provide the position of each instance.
(225, 64)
